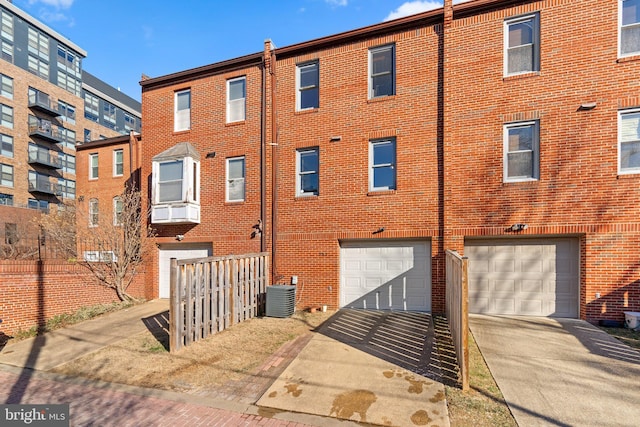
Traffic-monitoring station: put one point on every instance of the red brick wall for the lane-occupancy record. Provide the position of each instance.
(311, 228)
(33, 292)
(579, 192)
(227, 225)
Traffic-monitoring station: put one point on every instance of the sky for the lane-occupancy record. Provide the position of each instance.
(127, 38)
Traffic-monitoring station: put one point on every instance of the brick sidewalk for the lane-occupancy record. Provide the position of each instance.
(103, 404)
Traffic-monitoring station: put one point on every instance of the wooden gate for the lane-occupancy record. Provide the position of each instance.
(208, 295)
(458, 311)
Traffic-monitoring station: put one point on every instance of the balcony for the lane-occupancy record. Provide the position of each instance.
(42, 185)
(40, 101)
(42, 156)
(45, 130)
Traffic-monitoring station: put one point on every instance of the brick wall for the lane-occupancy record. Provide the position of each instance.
(579, 191)
(33, 292)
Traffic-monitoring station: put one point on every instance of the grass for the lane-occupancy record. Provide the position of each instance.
(482, 405)
(67, 319)
(628, 336)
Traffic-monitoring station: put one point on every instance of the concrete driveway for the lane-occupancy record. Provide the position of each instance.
(374, 367)
(560, 372)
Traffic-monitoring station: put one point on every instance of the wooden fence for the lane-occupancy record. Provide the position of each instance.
(457, 300)
(208, 295)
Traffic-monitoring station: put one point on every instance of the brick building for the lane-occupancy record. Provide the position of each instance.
(49, 104)
(488, 127)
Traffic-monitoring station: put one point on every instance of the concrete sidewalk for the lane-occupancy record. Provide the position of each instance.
(560, 372)
(57, 347)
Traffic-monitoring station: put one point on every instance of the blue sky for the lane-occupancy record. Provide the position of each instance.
(124, 39)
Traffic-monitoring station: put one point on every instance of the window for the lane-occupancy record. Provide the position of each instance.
(6, 199)
(6, 175)
(235, 179)
(307, 165)
(118, 163)
(182, 117)
(69, 83)
(6, 119)
(6, 88)
(629, 142)
(68, 112)
(38, 67)
(7, 50)
(521, 151)
(118, 207)
(94, 213)
(6, 145)
(629, 27)
(68, 61)
(67, 188)
(68, 163)
(68, 137)
(7, 25)
(382, 71)
(10, 233)
(41, 205)
(170, 188)
(109, 112)
(308, 78)
(93, 166)
(236, 98)
(382, 165)
(129, 122)
(521, 45)
(38, 44)
(87, 135)
(91, 107)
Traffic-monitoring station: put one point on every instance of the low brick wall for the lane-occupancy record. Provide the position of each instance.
(32, 292)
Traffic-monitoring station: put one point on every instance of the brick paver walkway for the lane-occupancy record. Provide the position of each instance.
(103, 404)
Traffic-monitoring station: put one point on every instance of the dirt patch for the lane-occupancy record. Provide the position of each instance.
(229, 356)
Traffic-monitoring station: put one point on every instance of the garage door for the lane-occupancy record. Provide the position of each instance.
(538, 277)
(198, 250)
(385, 274)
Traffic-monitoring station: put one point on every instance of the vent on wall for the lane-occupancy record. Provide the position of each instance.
(281, 300)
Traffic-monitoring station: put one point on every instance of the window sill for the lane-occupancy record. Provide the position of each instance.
(521, 181)
(238, 123)
(521, 76)
(306, 197)
(307, 111)
(381, 192)
(234, 202)
(180, 132)
(381, 99)
(629, 58)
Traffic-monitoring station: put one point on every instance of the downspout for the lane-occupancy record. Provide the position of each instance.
(263, 155)
(274, 169)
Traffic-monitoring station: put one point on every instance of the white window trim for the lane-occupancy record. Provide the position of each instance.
(92, 203)
(117, 200)
(394, 165)
(393, 69)
(535, 149)
(299, 191)
(115, 163)
(536, 43)
(190, 183)
(299, 89)
(627, 171)
(244, 100)
(620, 54)
(181, 123)
(91, 157)
(228, 180)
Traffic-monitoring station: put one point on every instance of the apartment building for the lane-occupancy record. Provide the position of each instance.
(49, 104)
(489, 127)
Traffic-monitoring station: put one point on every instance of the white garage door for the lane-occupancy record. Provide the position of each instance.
(538, 277)
(185, 251)
(384, 274)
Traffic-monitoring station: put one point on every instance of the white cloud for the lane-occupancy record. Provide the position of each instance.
(337, 2)
(413, 7)
(58, 4)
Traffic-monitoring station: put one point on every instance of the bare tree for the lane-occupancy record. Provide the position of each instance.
(112, 247)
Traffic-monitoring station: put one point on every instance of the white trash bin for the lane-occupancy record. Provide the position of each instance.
(631, 319)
